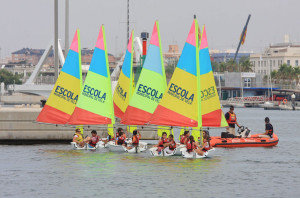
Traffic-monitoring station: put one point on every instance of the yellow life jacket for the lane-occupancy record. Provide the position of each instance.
(79, 138)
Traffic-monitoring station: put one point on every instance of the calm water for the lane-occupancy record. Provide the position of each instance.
(57, 171)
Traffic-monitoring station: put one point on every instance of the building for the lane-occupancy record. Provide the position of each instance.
(30, 57)
(219, 57)
(172, 56)
(274, 56)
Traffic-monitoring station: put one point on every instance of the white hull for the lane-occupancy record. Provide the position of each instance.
(100, 144)
(164, 152)
(266, 104)
(194, 155)
(114, 147)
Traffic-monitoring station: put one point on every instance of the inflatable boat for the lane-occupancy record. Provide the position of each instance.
(252, 141)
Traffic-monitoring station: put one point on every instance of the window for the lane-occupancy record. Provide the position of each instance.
(288, 62)
(247, 82)
(270, 63)
(258, 63)
(278, 62)
(296, 63)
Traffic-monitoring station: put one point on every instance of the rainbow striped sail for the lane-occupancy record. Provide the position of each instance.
(150, 86)
(180, 105)
(124, 88)
(95, 104)
(212, 115)
(63, 98)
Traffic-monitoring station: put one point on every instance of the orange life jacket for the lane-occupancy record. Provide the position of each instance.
(172, 146)
(162, 142)
(93, 143)
(190, 147)
(182, 140)
(135, 139)
(121, 139)
(232, 118)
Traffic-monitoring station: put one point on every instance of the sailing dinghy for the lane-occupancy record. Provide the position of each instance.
(123, 93)
(95, 105)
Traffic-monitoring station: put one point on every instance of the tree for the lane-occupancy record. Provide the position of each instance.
(9, 78)
(245, 64)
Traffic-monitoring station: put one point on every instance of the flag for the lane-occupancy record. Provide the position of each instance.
(243, 37)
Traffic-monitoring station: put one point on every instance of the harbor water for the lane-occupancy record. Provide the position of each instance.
(54, 170)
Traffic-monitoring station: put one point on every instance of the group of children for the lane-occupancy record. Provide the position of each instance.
(165, 143)
(119, 138)
(192, 145)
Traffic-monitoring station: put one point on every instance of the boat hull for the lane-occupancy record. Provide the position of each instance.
(253, 141)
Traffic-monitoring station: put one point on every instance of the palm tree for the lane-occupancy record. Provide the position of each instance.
(245, 64)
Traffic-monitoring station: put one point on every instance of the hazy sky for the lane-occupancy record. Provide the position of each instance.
(29, 23)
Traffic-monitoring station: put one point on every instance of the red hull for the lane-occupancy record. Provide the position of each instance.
(253, 141)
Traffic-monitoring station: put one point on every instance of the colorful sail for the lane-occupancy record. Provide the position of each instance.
(95, 104)
(212, 115)
(179, 105)
(63, 98)
(124, 88)
(168, 130)
(150, 86)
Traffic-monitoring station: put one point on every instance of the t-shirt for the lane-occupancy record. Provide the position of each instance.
(269, 127)
(227, 118)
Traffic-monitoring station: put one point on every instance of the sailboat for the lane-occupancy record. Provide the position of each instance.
(150, 86)
(95, 105)
(64, 96)
(124, 88)
(181, 103)
(212, 114)
(124, 91)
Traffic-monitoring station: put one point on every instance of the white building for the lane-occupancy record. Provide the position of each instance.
(274, 56)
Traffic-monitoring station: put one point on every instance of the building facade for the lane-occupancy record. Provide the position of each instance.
(274, 56)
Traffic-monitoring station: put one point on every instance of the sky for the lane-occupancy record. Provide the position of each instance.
(30, 23)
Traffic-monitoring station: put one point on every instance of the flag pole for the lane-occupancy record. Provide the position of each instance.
(241, 39)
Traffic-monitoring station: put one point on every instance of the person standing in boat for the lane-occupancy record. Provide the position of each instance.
(231, 120)
(269, 129)
(293, 99)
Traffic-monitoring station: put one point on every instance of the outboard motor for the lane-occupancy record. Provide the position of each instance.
(244, 132)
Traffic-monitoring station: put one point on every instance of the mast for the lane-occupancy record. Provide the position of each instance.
(66, 28)
(56, 40)
(127, 22)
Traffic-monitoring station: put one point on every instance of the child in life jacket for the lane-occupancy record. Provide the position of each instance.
(161, 144)
(120, 140)
(184, 137)
(206, 144)
(171, 145)
(92, 141)
(190, 144)
(78, 138)
(135, 139)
